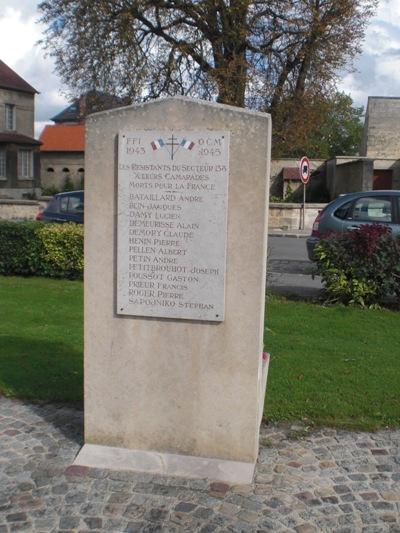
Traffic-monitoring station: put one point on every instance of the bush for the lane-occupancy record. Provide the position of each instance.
(68, 185)
(19, 248)
(360, 267)
(62, 250)
(50, 191)
(36, 248)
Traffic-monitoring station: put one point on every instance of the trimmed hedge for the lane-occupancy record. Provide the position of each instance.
(41, 249)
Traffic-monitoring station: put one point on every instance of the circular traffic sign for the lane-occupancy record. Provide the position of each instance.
(304, 168)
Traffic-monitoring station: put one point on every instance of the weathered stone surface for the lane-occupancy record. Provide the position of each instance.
(369, 496)
(146, 387)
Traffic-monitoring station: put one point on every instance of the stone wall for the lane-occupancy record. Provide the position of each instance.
(288, 216)
(23, 193)
(58, 162)
(277, 166)
(381, 129)
(19, 209)
(24, 110)
(347, 175)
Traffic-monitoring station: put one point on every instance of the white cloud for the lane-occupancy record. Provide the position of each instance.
(389, 69)
(39, 126)
(349, 85)
(380, 38)
(378, 67)
(16, 35)
(389, 11)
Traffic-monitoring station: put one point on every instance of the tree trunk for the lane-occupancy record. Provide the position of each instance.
(232, 82)
(230, 53)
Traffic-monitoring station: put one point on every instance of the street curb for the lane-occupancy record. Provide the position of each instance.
(287, 234)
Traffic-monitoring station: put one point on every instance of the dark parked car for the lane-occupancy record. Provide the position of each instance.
(350, 211)
(64, 207)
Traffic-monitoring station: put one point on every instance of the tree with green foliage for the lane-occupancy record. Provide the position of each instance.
(325, 127)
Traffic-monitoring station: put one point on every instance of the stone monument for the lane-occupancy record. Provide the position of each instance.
(175, 266)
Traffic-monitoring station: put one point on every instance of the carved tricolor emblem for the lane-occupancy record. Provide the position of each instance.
(172, 144)
(187, 145)
(157, 144)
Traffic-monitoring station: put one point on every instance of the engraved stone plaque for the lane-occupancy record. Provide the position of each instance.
(172, 218)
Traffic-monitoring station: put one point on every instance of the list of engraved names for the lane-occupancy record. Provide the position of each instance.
(172, 216)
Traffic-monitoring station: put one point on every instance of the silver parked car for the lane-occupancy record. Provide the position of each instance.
(350, 211)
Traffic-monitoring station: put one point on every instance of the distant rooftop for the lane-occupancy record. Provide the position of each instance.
(11, 80)
(17, 138)
(63, 138)
(384, 97)
(69, 114)
(291, 173)
(90, 102)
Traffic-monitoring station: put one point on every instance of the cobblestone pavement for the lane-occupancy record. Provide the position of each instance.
(326, 480)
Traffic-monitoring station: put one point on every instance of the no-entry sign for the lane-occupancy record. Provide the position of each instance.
(304, 168)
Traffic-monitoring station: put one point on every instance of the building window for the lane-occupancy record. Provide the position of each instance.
(81, 174)
(3, 167)
(25, 164)
(50, 169)
(10, 117)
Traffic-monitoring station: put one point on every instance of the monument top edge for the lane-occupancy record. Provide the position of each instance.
(183, 99)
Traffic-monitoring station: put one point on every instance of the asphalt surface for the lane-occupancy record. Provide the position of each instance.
(289, 271)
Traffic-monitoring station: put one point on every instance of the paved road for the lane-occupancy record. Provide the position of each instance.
(305, 482)
(289, 269)
(290, 248)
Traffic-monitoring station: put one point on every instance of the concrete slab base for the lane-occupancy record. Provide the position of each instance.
(112, 458)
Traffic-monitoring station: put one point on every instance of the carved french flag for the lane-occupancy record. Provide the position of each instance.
(156, 145)
(187, 145)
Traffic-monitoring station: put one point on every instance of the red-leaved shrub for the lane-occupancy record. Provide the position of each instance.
(361, 266)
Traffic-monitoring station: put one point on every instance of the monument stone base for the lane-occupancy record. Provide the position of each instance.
(167, 464)
(176, 216)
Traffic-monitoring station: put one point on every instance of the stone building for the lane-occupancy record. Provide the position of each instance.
(62, 160)
(381, 137)
(19, 151)
(62, 156)
(378, 165)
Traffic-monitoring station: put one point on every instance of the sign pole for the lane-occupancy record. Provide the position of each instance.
(304, 169)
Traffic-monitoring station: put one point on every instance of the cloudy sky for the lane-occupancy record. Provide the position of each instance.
(377, 69)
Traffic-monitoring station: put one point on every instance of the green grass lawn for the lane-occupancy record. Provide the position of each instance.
(329, 366)
(333, 366)
(41, 337)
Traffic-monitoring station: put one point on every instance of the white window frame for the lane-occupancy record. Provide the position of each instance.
(3, 164)
(9, 113)
(25, 164)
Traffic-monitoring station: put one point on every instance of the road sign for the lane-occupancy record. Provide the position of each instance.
(304, 168)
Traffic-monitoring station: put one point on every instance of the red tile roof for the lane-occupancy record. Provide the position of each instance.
(10, 80)
(63, 138)
(17, 138)
(291, 173)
